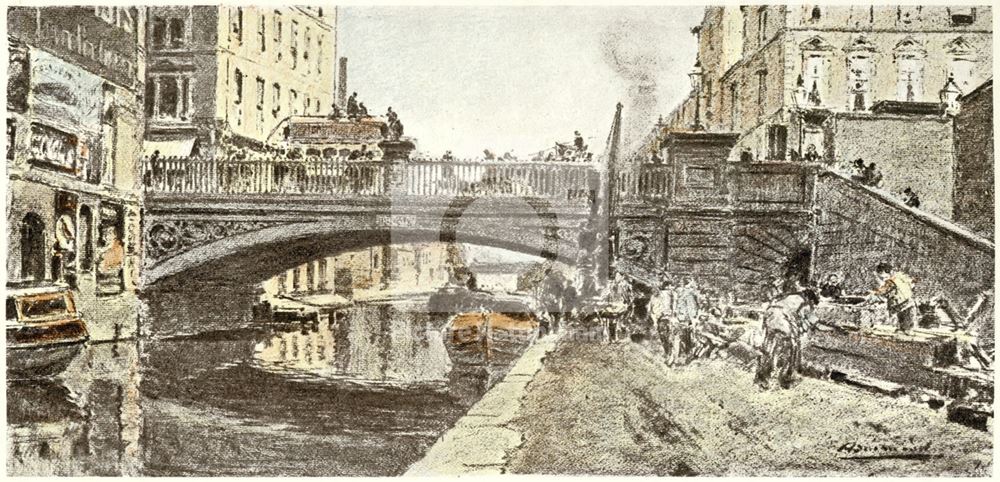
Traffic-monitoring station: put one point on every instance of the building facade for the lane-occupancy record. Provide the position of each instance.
(398, 268)
(74, 135)
(807, 81)
(223, 77)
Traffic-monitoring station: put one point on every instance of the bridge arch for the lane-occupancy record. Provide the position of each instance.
(255, 255)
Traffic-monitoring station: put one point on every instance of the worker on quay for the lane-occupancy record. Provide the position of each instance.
(897, 289)
(787, 321)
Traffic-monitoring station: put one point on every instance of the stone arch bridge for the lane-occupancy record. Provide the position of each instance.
(221, 220)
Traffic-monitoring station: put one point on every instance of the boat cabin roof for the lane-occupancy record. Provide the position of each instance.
(29, 289)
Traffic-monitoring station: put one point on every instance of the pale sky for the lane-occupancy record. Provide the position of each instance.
(513, 78)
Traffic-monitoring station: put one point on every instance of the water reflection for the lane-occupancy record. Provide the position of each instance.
(365, 393)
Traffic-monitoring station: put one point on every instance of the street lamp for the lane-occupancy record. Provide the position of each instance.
(949, 95)
(695, 76)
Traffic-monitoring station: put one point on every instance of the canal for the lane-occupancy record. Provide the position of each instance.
(366, 392)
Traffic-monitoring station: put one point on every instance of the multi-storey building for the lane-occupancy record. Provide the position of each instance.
(220, 77)
(74, 134)
(838, 83)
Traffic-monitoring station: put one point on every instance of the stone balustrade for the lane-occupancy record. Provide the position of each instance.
(344, 177)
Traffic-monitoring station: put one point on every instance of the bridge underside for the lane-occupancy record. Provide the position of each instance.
(191, 240)
(254, 257)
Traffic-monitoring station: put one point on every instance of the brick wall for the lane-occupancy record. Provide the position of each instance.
(911, 151)
(858, 228)
(974, 199)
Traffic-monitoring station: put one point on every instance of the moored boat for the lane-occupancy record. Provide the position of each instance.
(44, 331)
(489, 338)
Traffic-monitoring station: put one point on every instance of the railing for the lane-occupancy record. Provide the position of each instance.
(650, 183)
(340, 176)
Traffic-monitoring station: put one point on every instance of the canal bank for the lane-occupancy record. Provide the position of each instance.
(614, 409)
(481, 441)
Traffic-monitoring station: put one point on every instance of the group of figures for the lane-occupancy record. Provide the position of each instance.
(687, 319)
(356, 111)
(871, 176)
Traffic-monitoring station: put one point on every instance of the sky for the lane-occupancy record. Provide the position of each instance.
(516, 78)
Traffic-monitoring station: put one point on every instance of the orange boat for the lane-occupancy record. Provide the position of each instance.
(488, 338)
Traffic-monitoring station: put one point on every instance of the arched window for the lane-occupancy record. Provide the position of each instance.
(32, 247)
(816, 14)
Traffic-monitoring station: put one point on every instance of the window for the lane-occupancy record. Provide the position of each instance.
(33, 247)
(910, 57)
(859, 72)
(238, 25)
(168, 97)
(238, 80)
(305, 108)
(762, 26)
(962, 15)
(910, 78)
(761, 88)
(777, 142)
(159, 32)
(293, 102)
(86, 227)
(261, 32)
(277, 27)
(816, 14)
(294, 44)
(319, 55)
(814, 78)
(960, 69)
(275, 99)
(176, 32)
(733, 106)
(260, 93)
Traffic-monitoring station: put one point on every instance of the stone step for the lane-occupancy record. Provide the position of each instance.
(871, 384)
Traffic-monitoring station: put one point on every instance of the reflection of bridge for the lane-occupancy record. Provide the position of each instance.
(230, 219)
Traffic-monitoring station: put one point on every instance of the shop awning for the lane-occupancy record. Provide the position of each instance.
(171, 148)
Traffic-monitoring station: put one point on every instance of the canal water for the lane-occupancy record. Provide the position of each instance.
(365, 393)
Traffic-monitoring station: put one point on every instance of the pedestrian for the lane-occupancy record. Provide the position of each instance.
(352, 106)
(897, 289)
(910, 198)
(811, 154)
(687, 307)
(615, 295)
(858, 173)
(661, 312)
(786, 322)
(831, 286)
(873, 176)
(578, 141)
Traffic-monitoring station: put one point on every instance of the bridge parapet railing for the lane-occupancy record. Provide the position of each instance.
(346, 177)
(650, 183)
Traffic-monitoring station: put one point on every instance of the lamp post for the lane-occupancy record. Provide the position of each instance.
(695, 76)
(949, 95)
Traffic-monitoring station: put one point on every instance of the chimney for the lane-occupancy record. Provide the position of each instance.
(342, 82)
